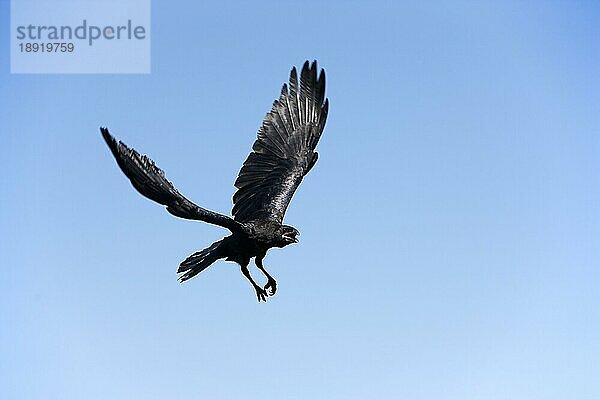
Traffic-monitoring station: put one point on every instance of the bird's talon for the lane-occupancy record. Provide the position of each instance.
(261, 294)
(271, 287)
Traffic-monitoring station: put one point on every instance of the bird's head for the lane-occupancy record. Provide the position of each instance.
(287, 235)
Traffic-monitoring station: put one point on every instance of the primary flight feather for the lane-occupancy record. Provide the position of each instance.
(283, 153)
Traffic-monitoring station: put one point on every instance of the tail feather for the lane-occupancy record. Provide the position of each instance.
(199, 261)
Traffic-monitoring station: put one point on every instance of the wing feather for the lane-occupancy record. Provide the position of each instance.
(284, 150)
(151, 182)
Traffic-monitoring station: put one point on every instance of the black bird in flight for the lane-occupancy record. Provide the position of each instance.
(282, 155)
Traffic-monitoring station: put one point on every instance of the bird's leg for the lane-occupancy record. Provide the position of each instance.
(261, 294)
(271, 286)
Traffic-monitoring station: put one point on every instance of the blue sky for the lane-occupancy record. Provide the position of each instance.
(450, 230)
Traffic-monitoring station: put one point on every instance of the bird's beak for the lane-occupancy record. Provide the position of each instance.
(291, 238)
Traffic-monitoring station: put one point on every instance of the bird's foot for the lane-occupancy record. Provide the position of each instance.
(271, 287)
(261, 294)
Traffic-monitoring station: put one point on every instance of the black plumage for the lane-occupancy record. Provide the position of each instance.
(282, 155)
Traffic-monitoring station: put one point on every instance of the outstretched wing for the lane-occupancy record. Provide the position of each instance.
(150, 181)
(284, 151)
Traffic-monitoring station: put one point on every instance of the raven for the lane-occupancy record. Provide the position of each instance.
(282, 155)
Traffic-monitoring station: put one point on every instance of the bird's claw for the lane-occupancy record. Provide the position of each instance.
(271, 287)
(261, 294)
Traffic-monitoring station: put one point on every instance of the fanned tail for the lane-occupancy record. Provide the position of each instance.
(199, 261)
